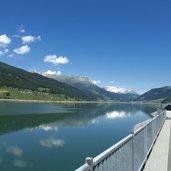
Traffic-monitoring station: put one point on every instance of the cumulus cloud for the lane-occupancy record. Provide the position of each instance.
(58, 73)
(4, 40)
(22, 50)
(96, 82)
(56, 60)
(30, 39)
(16, 151)
(21, 29)
(3, 52)
(49, 72)
(120, 90)
(52, 142)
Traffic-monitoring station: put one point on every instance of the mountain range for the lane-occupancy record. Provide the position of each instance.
(16, 83)
(87, 86)
(162, 95)
(119, 90)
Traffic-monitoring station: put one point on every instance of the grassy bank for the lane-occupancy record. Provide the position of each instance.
(25, 94)
(42, 96)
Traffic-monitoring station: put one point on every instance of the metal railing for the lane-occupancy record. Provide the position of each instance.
(131, 153)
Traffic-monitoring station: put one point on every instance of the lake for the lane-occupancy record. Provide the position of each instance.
(58, 137)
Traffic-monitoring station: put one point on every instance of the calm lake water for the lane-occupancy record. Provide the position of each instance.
(53, 137)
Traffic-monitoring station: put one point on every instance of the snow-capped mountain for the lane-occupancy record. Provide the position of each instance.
(119, 90)
(90, 87)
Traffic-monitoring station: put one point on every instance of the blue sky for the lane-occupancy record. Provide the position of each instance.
(124, 42)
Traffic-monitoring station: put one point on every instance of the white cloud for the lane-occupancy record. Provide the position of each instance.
(3, 52)
(21, 29)
(96, 82)
(58, 73)
(30, 39)
(11, 55)
(22, 50)
(52, 142)
(56, 60)
(121, 90)
(4, 40)
(49, 72)
(16, 151)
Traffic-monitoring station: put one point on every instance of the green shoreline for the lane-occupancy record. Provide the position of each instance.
(62, 101)
(72, 102)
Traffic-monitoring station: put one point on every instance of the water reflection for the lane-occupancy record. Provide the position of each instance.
(19, 163)
(13, 157)
(15, 108)
(80, 117)
(26, 140)
(115, 114)
(14, 150)
(47, 127)
(1, 160)
(52, 142)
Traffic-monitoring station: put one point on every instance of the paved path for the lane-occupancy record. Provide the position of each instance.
(160, 157)
(169, 159)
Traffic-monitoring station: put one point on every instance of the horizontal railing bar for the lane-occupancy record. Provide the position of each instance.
(141, 128)
(145, 123)
(84, 167)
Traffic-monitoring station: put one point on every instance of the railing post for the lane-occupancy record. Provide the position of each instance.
(132, 150)
(89, 161)
(146, 139)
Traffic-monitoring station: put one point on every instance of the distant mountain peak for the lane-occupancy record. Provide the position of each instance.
(119, 90)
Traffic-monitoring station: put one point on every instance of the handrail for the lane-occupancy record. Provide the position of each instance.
(136, 145)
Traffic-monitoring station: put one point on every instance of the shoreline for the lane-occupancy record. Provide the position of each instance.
(72, 102)
(50, 101)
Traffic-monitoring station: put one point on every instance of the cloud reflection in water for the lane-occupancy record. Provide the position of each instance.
(116, 114)
(52, 142)
(16, 151)
(19, 163)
